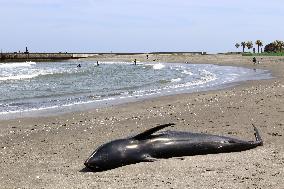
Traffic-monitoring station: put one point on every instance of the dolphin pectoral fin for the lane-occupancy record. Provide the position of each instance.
(148, 132)
(149, 158)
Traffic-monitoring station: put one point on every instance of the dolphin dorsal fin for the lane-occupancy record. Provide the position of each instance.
(148, 132)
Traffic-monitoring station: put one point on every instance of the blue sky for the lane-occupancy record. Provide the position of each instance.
(137, 25)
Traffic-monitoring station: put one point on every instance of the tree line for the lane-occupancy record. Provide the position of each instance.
(275, 46)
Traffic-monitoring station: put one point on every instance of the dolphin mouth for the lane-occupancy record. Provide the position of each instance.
(88, 164)
(92, 166)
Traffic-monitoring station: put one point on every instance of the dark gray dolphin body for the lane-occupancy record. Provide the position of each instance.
(150, 146)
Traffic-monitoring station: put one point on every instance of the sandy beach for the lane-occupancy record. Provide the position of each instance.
(49, 152)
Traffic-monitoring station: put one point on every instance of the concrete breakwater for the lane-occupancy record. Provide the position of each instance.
(17, 57)
(25, 56)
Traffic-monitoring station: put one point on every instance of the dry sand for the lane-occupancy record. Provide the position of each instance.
(49, 152)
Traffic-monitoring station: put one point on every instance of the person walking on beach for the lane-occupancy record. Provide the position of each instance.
(254, 60)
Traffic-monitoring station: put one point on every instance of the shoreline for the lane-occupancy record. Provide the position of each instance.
(49, 152)
(120, 99)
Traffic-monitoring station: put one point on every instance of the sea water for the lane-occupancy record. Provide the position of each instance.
(30, 88)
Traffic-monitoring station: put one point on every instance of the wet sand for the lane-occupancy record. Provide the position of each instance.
(48, 152)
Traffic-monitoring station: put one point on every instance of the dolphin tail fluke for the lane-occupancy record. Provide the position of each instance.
(258, 139)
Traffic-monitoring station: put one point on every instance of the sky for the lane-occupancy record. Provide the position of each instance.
(137, 25)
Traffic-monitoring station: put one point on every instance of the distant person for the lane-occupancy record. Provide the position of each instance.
(98, 63)
(135, 62)
(147, 56)
(254, 60)
(79, 66)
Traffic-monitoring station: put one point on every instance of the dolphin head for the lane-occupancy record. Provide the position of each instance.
(114, 154)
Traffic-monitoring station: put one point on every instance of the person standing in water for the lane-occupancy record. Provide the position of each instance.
(134, 61)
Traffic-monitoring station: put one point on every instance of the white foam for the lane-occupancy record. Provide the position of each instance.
(30, 62)
(187, 72)
(22, 71)
(206, 77)
(14, 65)
(28, 110)
(18, 77)
(158, 66)
(109, 62)
(176, 80)
(24, 74)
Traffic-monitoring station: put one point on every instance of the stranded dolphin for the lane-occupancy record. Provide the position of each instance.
(151, 145)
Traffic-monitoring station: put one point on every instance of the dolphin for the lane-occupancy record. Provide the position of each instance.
(151, 145)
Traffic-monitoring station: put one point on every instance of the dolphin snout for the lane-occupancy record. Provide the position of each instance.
(87, 164)
(91, 164)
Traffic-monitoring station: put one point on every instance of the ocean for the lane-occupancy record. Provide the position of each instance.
(41, 88)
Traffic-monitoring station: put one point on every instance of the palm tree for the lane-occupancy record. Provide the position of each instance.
(270, 48)
(279, 45)
(249, 44)
(243, 44)
(237, 45)
(259, 44)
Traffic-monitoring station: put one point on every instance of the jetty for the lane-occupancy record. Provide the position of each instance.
(61, 56)
(23, 56)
